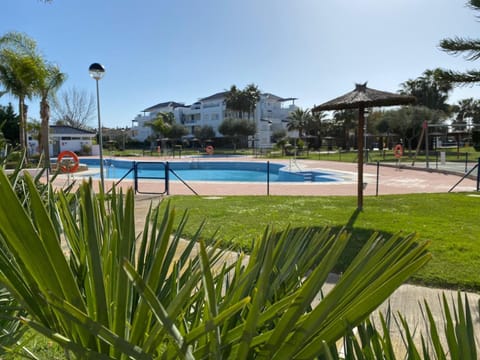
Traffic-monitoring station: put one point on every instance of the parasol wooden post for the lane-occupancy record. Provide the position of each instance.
(361, 124)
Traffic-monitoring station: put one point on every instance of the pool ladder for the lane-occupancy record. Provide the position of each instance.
(307, 176)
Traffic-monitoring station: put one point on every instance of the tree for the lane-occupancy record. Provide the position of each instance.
(47, 87)
(238, 130)
(75, 108)
(314, 128)
(428, 90)
(242, 102)
(407, 122)
(344, 122)
(10, 124)
(467, 109)
(20, 70)
(176, 131)
(252, 96)
(204, 132)
(470, 48)
(298, 120)
(162, 123)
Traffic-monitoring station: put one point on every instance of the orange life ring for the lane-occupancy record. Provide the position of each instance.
(68, 167)
(398, 151)
(209, 149)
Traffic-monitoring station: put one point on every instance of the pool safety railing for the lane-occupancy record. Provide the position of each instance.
(477, 167)
(137, 166)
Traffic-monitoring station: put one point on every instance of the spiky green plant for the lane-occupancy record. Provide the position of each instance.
(91, 284)
(452, 338)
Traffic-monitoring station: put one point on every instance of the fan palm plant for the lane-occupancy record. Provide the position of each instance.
(91, 284)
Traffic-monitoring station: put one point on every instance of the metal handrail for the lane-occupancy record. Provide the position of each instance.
(183, 181)
(467, 174)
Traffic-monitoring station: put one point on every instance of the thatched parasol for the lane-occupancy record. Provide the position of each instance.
(361, 98)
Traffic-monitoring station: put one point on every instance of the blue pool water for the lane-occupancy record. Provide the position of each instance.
(208, 171)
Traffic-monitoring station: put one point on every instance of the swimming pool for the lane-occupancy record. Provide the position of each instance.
(195, 170)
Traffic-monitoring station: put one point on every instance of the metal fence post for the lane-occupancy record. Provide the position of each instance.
(135, 176)
(167, 178)
(268, 178)
(478, 175)
(378, 176)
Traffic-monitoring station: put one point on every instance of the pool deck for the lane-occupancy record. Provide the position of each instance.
(391, 180)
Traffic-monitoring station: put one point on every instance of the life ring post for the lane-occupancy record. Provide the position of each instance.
(209, 149)
(71, 166)
(398, 151)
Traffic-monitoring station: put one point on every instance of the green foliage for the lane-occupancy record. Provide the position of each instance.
(242, 102)
(204, 132)
(452, 338)
(428, 91)
(465, 46)
(298, 120)
(162, 124)
(237, 129)
(12, 330)
(407, 121)
(9, 124)
(92, 285)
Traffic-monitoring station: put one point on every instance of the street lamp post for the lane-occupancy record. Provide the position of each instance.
(97, 71)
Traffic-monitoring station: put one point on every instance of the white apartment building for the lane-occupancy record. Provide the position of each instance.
(271, 114)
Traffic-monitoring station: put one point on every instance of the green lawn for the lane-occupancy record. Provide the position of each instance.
(449, 221)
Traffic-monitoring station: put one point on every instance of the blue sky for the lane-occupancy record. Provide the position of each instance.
(182, 50)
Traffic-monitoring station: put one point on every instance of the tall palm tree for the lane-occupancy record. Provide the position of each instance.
(233, 100)
(21, 67)
(51, 81)
(252, 96)
(18, 75)
(428, 91)
(243, 101)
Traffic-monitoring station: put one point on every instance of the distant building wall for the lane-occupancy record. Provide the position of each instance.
(271, 113)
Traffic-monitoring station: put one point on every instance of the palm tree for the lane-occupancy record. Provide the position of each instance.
(20, 70)
(18, 75)
(48, 85)
(428, 91)
(458, 45)
(252, 96)
(313, 126)
(233, 101)
(242, 101)
(298, 120)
